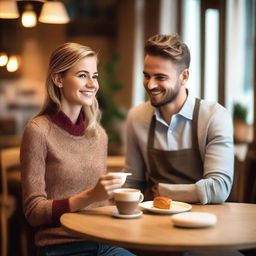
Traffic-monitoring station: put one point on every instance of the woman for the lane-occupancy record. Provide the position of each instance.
(63, 154)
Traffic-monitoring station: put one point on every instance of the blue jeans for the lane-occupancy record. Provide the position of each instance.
(82, 249)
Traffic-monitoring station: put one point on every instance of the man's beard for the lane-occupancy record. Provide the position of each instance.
(168, 99)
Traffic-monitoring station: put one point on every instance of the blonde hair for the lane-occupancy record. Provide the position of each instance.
(170, 47)
(62, 59)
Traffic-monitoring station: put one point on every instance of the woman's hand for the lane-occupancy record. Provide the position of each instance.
(103, 190)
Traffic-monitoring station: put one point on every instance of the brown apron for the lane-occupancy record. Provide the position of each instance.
(183, 166)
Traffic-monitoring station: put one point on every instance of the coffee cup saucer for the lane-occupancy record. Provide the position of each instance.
(136, 214)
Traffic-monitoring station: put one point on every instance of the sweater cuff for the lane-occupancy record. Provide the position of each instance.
(59, 207)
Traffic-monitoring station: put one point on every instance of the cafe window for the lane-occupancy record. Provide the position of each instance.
(168, 16)
(138, 94)
(219, 34)
(220, 37)
(211, 73)
(239, 54)
(191, 36)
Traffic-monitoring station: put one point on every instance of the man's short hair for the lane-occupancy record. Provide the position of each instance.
(170, 47)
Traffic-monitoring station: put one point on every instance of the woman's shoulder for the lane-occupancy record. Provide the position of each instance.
(35, 131)
(40, 123)
(101, 131)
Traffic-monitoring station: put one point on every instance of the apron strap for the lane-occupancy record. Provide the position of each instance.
(195, 143)
(151, 134)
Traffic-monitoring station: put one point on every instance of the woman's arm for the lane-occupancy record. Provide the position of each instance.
(38, 208)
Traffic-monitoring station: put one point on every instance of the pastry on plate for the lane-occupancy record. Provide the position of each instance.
(162, 202)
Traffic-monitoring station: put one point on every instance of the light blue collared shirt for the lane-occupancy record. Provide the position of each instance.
(215, 137)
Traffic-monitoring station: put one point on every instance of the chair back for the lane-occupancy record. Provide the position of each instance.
(115, 163)
(10, 157)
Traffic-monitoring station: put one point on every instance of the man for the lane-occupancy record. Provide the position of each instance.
(177, 146)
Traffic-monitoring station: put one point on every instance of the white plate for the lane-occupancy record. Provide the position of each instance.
(136, 214)
(194, 219)
(176, 207)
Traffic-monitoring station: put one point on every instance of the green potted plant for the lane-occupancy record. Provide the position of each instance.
(242, 131)
(240, 112)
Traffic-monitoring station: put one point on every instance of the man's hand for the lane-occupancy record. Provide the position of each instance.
(155, 190)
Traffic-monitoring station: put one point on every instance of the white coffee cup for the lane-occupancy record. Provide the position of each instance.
(123, 175)
(127, 199)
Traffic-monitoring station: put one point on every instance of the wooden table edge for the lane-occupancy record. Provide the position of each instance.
(144, 246)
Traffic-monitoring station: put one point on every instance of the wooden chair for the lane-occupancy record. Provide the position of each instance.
(9, 157)
(9, 141)
(115, 163)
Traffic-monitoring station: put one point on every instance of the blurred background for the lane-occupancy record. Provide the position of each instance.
(219, 33)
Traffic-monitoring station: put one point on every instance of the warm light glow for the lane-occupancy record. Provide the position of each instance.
(54, 12)
(29, 18)
(13, 64)
(3, 59)
(8, 10)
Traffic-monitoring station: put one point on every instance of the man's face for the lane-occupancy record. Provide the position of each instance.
(161, 80)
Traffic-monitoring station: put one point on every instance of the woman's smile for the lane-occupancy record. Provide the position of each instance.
(88, 93)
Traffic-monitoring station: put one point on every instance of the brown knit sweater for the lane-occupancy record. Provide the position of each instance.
(57, 162)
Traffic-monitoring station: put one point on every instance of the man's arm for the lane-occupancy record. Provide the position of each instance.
(218, 159)
(134, 160)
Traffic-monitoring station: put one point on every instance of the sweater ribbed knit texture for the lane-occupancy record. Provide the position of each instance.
(55, 165)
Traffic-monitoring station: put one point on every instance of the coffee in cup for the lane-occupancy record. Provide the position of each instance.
(127, 199)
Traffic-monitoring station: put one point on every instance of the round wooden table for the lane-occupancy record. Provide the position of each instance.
(235, 229)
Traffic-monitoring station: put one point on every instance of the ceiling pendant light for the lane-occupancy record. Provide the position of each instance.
(29, 18)
(54, 12)
(8, 9)
(13, 64)
(3, 59)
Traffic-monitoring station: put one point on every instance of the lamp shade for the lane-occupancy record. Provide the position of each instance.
(54, 12)
(8, 9)
(28, 18)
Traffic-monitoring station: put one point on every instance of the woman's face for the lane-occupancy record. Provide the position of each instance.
(79, 84)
